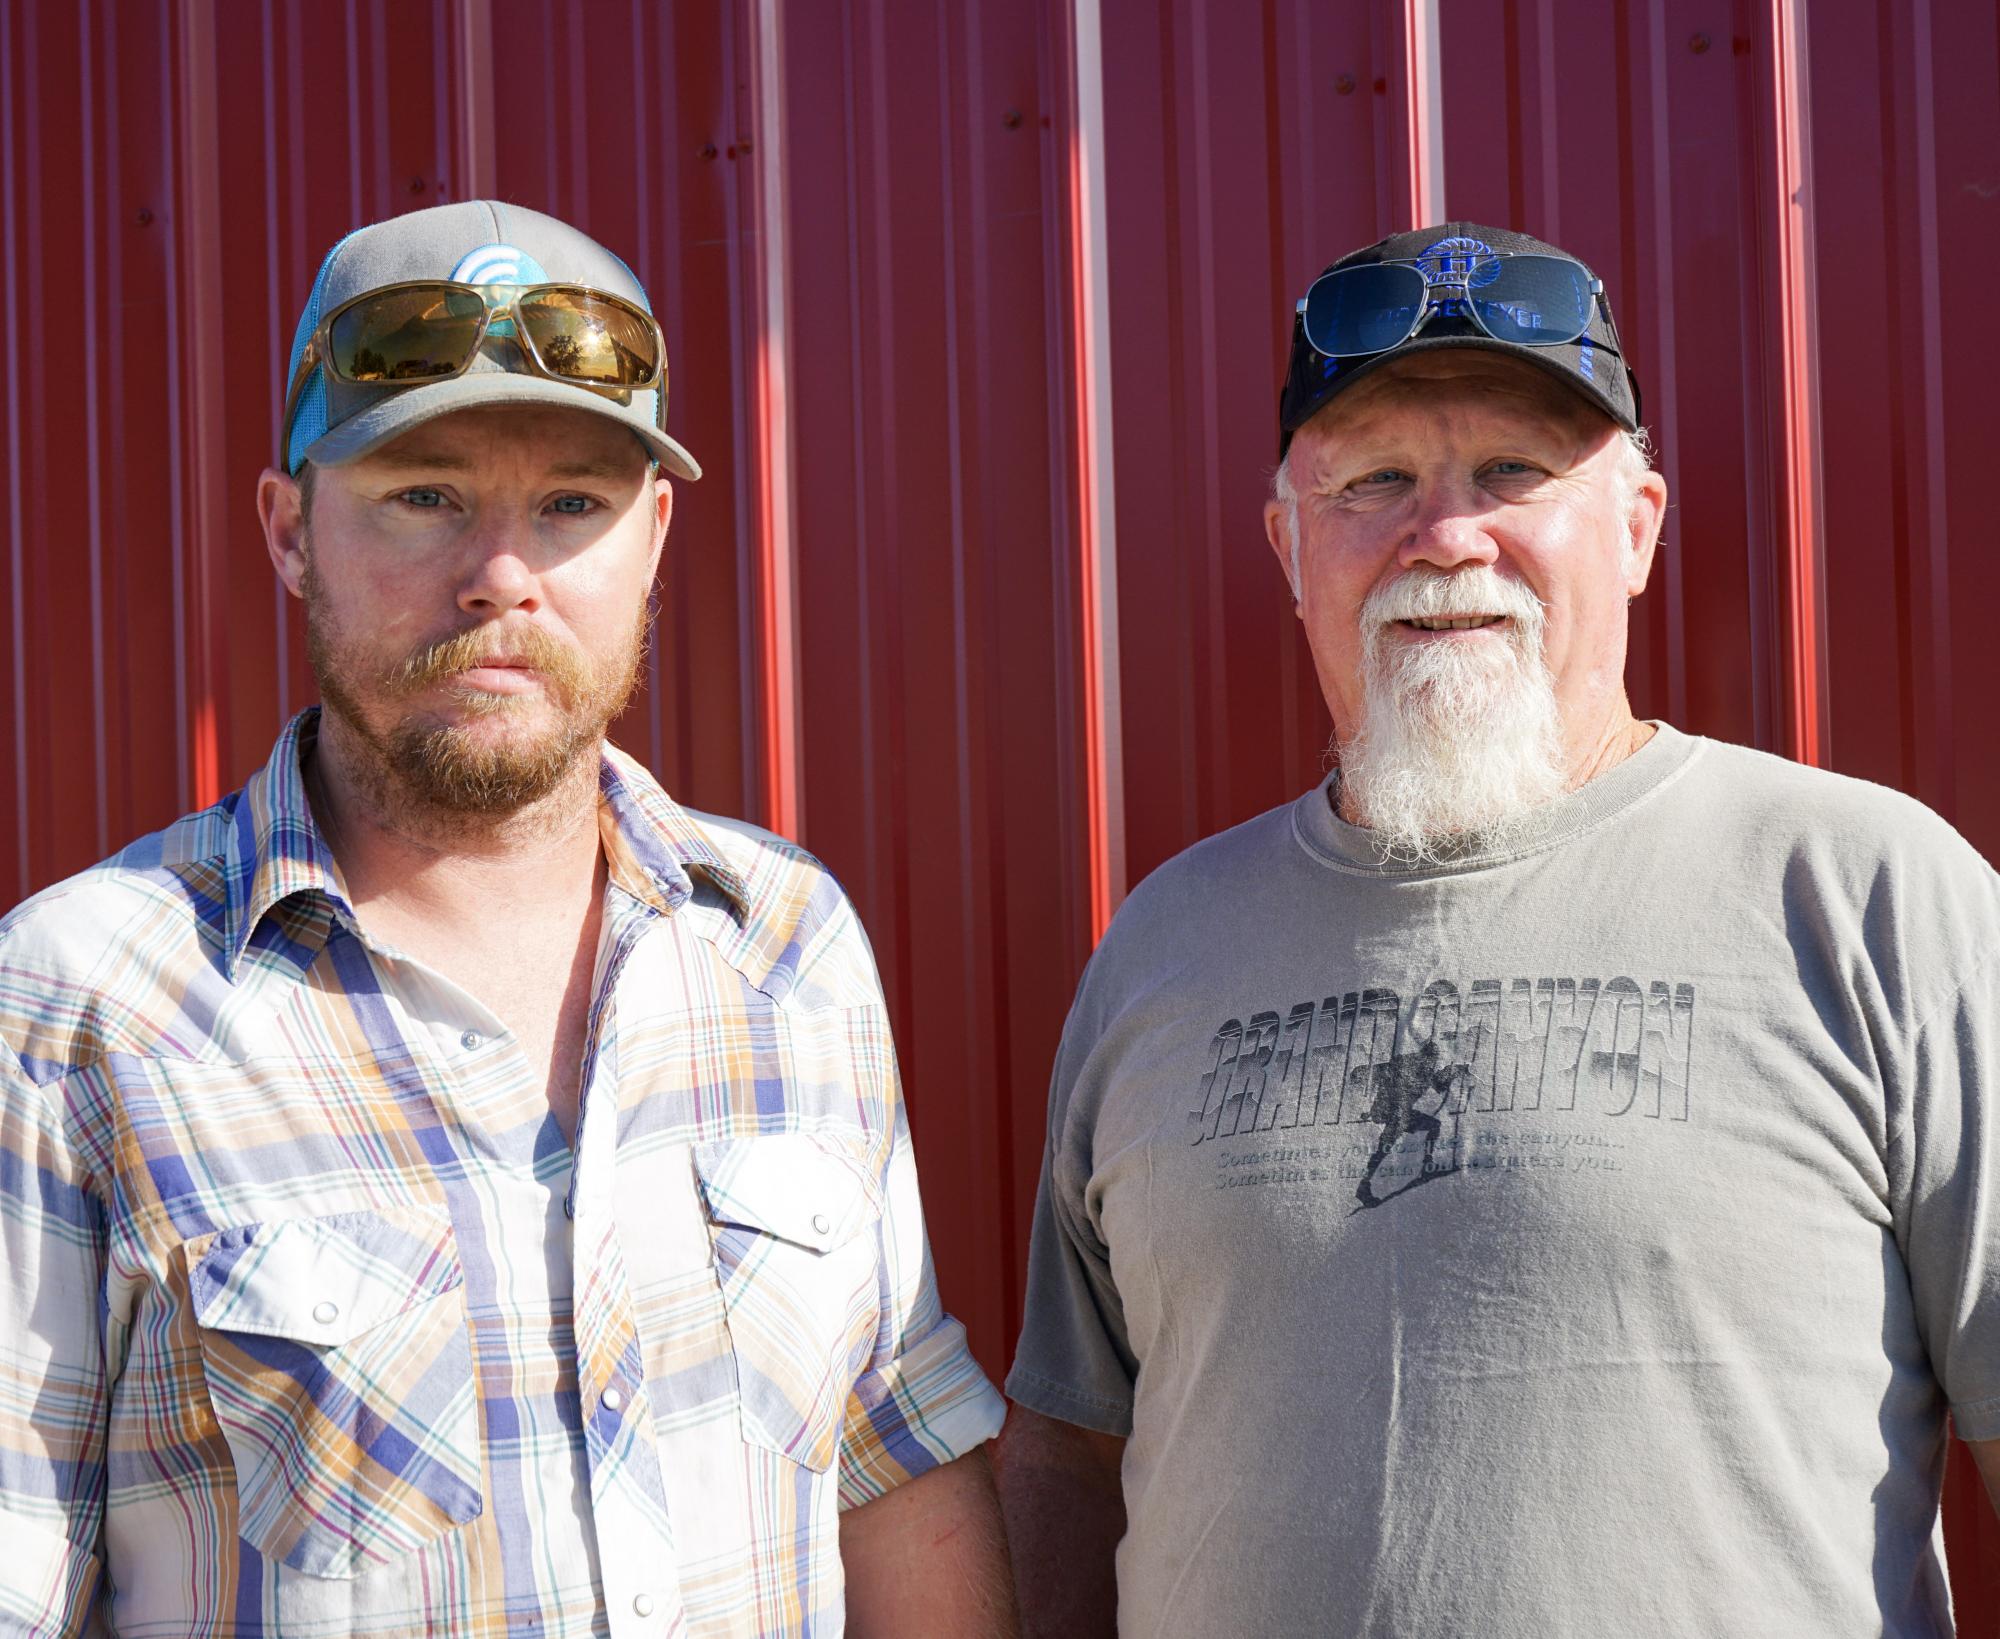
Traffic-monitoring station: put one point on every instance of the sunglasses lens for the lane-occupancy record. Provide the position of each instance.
(417, 333)
(1363, 309)
(589, 338)
(1538, 300)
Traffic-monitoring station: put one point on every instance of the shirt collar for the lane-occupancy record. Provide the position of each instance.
(275, 847)
(651, 844)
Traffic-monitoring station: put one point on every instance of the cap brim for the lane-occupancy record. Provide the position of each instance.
(1554, 362)
(409, 407)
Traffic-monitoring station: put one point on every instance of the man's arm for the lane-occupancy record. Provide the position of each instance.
(930, 1558)
(57, 1406)
(1065, 1510)
(1986, 1454)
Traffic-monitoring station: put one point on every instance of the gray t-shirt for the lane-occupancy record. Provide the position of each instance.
(1580, 1240)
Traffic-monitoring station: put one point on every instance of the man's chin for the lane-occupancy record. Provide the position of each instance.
(480, 764)
(1433, 782)
(472, 769)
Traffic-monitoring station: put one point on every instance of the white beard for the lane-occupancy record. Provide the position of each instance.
(1459, 742)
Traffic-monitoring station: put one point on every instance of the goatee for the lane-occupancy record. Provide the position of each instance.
(1460, 740)
(455, 770)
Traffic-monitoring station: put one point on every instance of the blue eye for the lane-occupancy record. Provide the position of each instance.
(573, 505)
(425, 498)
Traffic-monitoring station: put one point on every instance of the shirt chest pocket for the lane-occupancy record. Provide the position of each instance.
(793, 1218)
(340, 1371)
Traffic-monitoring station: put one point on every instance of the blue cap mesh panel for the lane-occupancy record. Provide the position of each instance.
(309, 421)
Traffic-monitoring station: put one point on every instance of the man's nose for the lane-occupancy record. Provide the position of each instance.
(499, 576)
(1449, 531)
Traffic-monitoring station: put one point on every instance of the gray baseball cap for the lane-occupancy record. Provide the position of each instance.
(479, 242)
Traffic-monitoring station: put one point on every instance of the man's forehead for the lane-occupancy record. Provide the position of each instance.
(548, 436)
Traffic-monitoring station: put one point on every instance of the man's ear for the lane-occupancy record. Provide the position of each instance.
(1643, 523)
(1277, 530)
(281, 510)
(663, 514)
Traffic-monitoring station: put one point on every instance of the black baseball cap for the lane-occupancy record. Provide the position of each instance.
(1593, 366)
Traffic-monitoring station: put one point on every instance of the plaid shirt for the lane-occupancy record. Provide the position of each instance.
(312, 1323)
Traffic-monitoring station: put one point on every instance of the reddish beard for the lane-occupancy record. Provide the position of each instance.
(451, 767)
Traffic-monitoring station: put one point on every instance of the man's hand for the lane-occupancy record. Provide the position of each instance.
(1065, 1508)
(930, 1559)
(1986, 1453)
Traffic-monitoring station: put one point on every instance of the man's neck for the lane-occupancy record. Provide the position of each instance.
(405, 861)
(1607, 744)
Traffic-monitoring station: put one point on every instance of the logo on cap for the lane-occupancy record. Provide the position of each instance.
(1458, 262)
(498, 265)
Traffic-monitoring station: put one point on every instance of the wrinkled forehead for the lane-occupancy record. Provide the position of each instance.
(1460, 381)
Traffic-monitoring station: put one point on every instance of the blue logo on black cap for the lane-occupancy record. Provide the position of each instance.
(1458, 262)
(1462, 263)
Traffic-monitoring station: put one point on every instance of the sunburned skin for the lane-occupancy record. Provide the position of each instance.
(1451, 460)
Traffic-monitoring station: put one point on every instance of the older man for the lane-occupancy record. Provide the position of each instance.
(448, 1187)
(1546, 1180)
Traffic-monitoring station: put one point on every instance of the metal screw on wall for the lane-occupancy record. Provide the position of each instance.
(1343, 85)
(144, 217)
(416, 184)
(1011, 119)
(708, 150)
(1698, 44)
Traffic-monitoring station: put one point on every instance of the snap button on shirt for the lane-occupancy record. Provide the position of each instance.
(821, 1223)
(612, 1401)
(643, 1604)
(326, 1313)
(472, 1041)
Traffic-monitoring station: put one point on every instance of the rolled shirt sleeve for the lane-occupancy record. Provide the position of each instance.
(923, 1400)
(52, 1368)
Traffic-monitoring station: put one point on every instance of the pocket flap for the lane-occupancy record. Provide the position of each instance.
(321, 1280)
(813, 1190)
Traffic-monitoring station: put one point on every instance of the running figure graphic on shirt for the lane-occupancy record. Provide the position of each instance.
(1397, 1084)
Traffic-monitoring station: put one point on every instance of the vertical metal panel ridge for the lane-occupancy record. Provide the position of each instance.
(777, 524)
(1089, 297)
(1662, 370)
(1423, 102)
(197, 244)
(15, 105)
(95, 477)
(1934, 767)
(472, 79)
(1804, 606)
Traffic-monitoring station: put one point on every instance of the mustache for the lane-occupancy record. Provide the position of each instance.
(528, 646)
(1423, 594)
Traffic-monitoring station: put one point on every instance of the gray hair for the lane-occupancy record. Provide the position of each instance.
(1635, 460)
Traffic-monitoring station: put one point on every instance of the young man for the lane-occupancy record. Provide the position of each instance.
(449, 1187)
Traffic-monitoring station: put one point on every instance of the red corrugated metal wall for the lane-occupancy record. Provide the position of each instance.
(976, 312)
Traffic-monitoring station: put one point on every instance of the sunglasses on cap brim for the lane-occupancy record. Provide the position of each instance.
(1532, 300)
(430, 330)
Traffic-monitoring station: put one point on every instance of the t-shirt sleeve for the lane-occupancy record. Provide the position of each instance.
(1074, 1360)
(923, 1401)
(1948, 1177)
